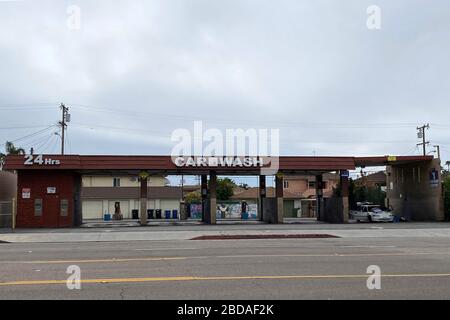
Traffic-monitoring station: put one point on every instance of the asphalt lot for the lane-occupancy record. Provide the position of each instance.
(411, 267)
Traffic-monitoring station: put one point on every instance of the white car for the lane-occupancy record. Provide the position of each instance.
(372, 213)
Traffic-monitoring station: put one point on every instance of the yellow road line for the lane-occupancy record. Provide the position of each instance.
(217, 278)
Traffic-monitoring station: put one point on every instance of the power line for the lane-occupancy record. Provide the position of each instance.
(34, 142)
(21, 127)
(43, 142)
(234, 120)
(34, 133)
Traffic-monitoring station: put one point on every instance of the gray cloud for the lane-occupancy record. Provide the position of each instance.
(137, 70)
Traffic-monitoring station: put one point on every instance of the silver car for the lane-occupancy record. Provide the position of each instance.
(372, 213)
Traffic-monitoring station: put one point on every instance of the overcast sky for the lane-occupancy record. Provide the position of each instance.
(137, 70)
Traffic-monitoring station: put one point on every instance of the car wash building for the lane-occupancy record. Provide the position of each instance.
(62, 190)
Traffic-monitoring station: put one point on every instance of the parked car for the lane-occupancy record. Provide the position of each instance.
(371, 213)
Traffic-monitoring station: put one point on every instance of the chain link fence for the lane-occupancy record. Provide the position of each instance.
(6, 214)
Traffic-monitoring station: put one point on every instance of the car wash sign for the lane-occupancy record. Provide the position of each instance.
(232, 162)
(434, 178)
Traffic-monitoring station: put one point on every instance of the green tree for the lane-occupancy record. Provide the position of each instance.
(193, 197)
(225, 188)
(10, 149)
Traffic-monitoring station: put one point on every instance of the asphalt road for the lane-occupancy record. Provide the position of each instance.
(412, 268)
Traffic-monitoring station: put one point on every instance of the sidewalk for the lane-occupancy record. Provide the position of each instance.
(158, 233)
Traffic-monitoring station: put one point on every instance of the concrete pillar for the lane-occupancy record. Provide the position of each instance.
(204, 192)
(183, 212)
(279, 196)
(344, 192)
(77, 212)
(262, 196)
(210, 217)
(319, 197)
(143, 201)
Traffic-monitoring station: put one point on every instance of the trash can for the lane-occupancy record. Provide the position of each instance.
(107, 217)
(135, 213)
(150, 213)
(175, 214)
(167, 214)
(396, 219)
(158, 213)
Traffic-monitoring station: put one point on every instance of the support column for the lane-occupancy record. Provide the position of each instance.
(278, 218)
(344, 186)
(204, 192)
(262, 196)
(143, 198)
(77, 212)
(210, 217)
(319, 197)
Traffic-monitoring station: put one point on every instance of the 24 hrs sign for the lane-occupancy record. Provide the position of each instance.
(40, 160)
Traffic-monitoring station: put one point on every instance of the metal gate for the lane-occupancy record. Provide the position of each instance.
(6, 214)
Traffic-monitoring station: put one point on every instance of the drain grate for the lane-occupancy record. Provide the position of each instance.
(265, 236)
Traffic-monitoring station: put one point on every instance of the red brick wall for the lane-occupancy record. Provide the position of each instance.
(38, 181)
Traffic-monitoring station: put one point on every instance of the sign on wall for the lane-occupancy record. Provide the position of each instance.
(26, 193)
(51, 190)
(434, 178)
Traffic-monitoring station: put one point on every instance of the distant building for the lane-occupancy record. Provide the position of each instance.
(377, 179)
(303, 186)
(101, 194)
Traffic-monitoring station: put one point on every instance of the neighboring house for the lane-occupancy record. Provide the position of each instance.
(377, 179)
(191, 188)
(100, 194)
(303, 186)
(8, 185)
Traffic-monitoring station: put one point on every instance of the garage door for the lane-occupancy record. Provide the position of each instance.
(92, 210)
(169, 204)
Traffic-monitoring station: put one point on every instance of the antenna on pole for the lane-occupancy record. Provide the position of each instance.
(421, 134)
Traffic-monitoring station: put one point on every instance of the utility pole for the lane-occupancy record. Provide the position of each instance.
(421, 134)
(438, 150)
(64, 119)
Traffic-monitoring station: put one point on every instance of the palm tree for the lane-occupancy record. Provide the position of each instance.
(11, 149)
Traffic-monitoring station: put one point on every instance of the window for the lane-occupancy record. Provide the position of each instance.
(311, 184)
(37, 207)
(285, 184)
(116, 182)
